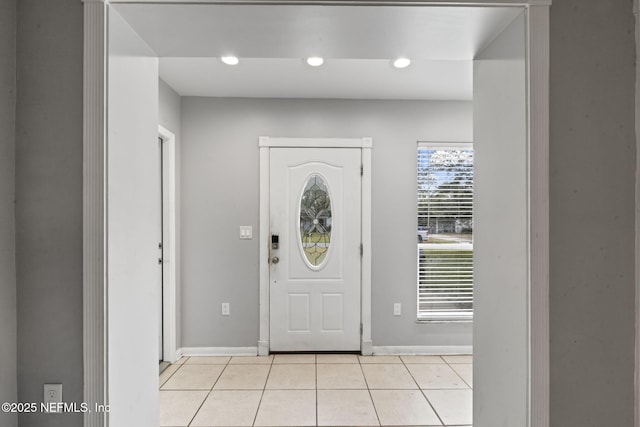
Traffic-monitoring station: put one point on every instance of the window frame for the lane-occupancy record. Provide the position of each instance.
(450, 317)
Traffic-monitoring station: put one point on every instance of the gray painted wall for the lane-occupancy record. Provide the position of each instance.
(8, 313)
(49, 204)
(170, 118)
(592, 165)
(220, 191)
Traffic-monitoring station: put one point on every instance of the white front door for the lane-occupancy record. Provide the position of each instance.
(315, 261)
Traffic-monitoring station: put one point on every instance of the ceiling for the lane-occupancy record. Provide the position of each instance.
(358, 44)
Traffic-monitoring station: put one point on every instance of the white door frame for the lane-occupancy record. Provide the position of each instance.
(169, 246)
(365, 144)
(95, 281)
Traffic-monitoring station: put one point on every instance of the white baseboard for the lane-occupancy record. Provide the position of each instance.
(422, 349)
(219, 351)
(377, 350)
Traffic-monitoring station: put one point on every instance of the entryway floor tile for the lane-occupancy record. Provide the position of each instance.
(455, 407)
(458, 358)
(167, 373)
(422, 359)
(291, 377)
(284, 408)
(436, 376)
(337, 358)
(177, 408)
(294, 358)
(251, 360)
(403, 408)
(243, 377)
(208, 360)
(385, 376)
(229, 408)
(379, 359)
(346, 408)
(317, 390)
(193, 377)
(340, 376)
(465, 370)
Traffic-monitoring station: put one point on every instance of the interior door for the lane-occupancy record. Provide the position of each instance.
(315, 261)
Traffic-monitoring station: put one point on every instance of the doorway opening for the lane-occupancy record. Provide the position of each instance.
(168, 248)
(535, 34)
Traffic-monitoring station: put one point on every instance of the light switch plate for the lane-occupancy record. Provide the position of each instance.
(397, 309)
(246, 232)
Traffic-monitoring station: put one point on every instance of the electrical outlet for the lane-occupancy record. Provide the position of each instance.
(225, 309)
(52, 394)
(397, 309)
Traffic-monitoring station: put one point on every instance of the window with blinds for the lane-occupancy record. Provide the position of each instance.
(445, 231)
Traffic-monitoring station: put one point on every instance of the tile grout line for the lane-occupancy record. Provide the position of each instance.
(169, 377)
(264, 387)
(315, 362)
(422, 392)
(209, 393)
(369, 391)
(456, 372)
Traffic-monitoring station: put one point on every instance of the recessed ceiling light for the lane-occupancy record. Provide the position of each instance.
(402, 62)
(315, 61)
(230, 60)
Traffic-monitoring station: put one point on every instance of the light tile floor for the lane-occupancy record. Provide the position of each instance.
(317, 390)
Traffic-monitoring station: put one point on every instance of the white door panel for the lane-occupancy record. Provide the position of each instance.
(315, 210)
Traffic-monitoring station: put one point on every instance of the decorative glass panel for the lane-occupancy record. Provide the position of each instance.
(315, 220)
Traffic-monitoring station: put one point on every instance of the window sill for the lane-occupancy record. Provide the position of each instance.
(438, 321)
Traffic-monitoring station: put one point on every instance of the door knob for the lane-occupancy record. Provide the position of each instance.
(275, 260)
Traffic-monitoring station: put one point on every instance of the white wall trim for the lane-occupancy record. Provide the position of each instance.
(445, 145)
(366, 343)
(538, 96)
(265, 141)
(170, 259)
(422, 349)
(353, 2)
(95, 343)
(263, 343)
(218, 351)
(366, 144)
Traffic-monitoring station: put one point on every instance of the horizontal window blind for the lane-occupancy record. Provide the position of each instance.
(445, 232)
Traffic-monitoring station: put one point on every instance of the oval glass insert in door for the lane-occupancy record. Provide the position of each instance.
(315, 222)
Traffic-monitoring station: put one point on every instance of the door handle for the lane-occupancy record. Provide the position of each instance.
(275, 260)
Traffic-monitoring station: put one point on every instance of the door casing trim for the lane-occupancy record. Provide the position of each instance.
(366, 145)
(170, 260)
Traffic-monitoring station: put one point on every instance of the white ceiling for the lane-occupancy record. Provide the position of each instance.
(356, 42)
